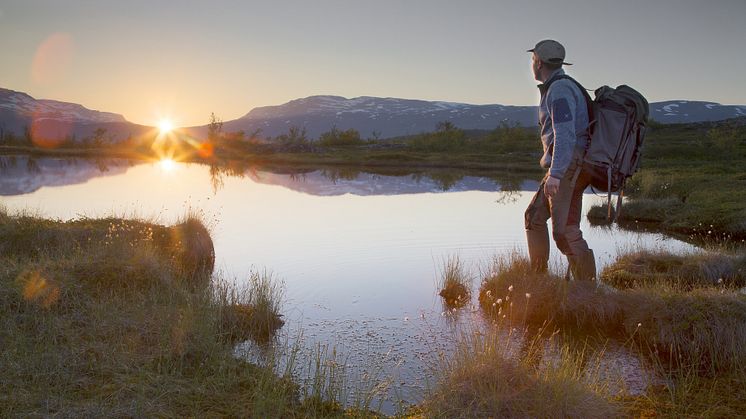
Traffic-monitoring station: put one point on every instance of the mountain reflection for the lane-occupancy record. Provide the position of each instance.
(26, 174)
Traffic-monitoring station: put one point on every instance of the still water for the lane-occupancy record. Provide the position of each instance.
(359, 253)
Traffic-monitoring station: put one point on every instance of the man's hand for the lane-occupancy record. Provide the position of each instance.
(551, 186)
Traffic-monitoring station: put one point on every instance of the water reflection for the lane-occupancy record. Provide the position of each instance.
(26, 174)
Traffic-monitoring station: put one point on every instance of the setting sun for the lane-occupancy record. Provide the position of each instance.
(165, 126)
(167, 164)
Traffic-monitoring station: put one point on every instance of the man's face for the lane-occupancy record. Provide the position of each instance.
(536, 66)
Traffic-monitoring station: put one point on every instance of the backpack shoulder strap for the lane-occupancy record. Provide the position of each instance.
(584, 91)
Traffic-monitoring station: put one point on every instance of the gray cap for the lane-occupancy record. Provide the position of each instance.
(550, 51)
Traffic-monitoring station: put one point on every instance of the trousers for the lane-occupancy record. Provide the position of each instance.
(564, 209)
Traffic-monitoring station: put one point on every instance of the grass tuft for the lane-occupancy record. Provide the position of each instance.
(253, 313)
(680, 271)
(483, 379)
(455, 282)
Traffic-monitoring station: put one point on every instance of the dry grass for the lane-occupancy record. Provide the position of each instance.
(513, 292)
(455, 282)
(254, 312)
(483, 379)
(679, 271)
(690, 329)
(103, 318)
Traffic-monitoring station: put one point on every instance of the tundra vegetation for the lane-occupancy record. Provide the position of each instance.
(687, 327)
(113, 317)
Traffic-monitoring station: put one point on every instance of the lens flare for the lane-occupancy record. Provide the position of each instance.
(165, 126)
(167, 164)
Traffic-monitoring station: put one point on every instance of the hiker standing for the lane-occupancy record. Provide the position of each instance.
(563, 120)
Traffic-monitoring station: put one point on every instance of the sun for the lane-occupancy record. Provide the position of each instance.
(165, 126)
(167, 164)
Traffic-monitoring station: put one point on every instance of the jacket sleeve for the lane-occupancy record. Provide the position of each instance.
(562, 105)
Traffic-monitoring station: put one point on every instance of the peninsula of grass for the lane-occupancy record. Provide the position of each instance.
(120, 318)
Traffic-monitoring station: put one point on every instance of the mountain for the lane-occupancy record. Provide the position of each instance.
(51, 119)
(685, 111)
(371, 116)
(391, 117)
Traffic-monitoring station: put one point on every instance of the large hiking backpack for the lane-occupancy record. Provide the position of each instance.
(617, 130)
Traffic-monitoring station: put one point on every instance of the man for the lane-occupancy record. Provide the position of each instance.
(563, 120)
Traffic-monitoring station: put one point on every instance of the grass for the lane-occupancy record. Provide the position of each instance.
(119, 318)
(484, 379)
(253, 313)
(679, 271)
(454, 282)
(690, 329)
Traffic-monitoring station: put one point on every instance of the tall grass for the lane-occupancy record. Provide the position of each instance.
(252, 312)
(454, 282)
(483, 379)
(703, 327)
(689, 329)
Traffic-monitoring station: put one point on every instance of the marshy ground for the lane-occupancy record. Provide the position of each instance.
(120, 317)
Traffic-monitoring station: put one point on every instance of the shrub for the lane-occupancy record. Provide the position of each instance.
(339, 138)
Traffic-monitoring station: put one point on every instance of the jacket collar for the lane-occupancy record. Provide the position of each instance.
(545, 86)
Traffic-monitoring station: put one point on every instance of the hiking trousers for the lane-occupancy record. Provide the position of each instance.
(565, 211)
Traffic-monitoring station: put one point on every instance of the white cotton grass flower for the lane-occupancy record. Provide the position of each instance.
(528, 295)
(499, 301)
(510, 288)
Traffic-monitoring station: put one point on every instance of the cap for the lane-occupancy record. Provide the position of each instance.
(550, 51)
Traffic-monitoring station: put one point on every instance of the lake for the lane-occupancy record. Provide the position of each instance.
(359, 253)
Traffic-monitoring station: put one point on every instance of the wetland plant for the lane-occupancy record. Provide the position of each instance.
(679, 271)
(483, 378)
(253, 312)
(454, 282)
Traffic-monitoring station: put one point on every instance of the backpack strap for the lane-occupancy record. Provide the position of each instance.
(588, 101)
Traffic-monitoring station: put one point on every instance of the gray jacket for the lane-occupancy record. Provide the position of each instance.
(563, 120)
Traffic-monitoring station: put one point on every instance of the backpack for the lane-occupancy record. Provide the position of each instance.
(616, 132)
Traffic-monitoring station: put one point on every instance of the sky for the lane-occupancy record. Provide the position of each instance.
(182, 60)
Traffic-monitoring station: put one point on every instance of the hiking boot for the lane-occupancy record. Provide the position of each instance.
(583, 267)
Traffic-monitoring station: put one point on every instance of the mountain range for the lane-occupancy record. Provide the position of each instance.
(371, 116)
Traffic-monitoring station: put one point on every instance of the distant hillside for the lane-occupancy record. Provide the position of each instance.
(373, 117)
(53, 119)
(391, 117)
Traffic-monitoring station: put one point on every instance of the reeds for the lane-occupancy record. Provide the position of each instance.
(454, 282)
(484, 379)
(252, 312)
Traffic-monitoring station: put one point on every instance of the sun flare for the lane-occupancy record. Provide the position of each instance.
(165, 126)
(167, 164)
